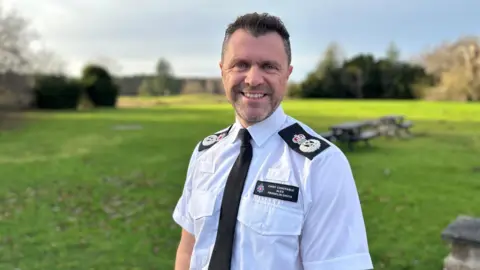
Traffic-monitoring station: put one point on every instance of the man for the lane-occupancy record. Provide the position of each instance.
(267, 192)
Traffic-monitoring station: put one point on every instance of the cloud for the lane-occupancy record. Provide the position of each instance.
(189, 32)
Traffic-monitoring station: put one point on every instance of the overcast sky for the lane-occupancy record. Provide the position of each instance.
(189, 32)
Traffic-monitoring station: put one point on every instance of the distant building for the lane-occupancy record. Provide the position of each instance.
(129, 85)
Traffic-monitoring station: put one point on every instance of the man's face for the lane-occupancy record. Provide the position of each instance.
(255, 72)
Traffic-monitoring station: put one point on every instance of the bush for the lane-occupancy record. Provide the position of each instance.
(99, 86)
(56, 92)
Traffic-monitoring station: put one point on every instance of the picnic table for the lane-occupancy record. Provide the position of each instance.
(365, 130)
(393, 125)
(352, 132)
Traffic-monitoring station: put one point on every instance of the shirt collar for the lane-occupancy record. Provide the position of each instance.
(262, 131)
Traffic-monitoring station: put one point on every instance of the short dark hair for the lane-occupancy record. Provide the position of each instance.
(257, 25)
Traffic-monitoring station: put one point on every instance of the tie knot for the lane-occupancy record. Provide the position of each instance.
(244, 136)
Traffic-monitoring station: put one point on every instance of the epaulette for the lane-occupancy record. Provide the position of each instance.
(301, 142)
(211, 140)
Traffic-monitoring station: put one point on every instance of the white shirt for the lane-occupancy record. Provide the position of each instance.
(323, 229)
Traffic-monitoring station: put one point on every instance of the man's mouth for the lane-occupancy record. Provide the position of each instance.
(253, 95)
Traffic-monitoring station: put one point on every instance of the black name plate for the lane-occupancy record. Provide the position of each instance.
(276, 191)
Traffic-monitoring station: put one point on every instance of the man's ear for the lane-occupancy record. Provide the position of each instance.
(290, 69)
(220, 64)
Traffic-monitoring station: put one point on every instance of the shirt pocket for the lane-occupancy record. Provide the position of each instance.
(202, 204)
(270, 220)
(204, 176)
(203, 208)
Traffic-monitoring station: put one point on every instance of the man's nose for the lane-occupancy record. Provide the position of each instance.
(254, 77)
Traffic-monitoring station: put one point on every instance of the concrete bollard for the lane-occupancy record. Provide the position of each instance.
(464, 237)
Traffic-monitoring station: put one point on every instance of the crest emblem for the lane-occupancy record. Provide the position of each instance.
(210, 140)
(310, 146)
(302, 142)
(260, 188)
(307, 146)
(298, 138)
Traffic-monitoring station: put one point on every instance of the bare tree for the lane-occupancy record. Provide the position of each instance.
(15, 39)
(45, 61)
(457, 66)
(19, 58)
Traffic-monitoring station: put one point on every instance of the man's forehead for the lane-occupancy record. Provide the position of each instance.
(242, 37)
(243, 44)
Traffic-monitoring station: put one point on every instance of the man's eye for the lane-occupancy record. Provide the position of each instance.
(269, 66)
(241, 65)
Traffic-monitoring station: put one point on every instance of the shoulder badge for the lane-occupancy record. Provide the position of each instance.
(302, 142)
(211, 140)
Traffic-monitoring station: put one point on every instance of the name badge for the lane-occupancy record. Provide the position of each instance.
(276, 191)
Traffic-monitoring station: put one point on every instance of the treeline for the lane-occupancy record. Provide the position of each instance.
(363, 76)
(95, 88)
(449, 72)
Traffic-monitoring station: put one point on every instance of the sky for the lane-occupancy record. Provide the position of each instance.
(189, 33)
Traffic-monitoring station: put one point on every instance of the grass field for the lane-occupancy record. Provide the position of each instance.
(78, 191)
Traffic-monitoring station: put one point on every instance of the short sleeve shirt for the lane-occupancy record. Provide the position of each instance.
(314, 223)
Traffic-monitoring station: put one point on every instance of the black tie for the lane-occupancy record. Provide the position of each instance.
(222, 251)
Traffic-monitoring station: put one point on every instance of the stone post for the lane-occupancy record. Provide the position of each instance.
(464, 237)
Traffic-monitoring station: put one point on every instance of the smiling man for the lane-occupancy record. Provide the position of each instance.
(255, 70)
(267, 192)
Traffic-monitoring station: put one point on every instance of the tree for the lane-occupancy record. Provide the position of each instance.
(364, 76)
(361, 70)
(456, 65)
(45, 61)
(146, 88)
(332, 59)
(56, 92)
(393, 53)
(21, 50)
(163, 68)
(15, 39)
(162, 83)
(99, 86)
(164, 77)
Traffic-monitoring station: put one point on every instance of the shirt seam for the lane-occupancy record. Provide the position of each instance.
(338, 259)
(183, 222)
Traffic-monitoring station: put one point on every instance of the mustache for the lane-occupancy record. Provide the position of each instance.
(241, 87)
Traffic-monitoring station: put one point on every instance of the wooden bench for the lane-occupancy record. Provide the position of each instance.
(393, 125)
(405, 126)
(352, 132)
(367, 135)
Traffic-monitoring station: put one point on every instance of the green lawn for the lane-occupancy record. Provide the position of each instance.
(76, 193)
